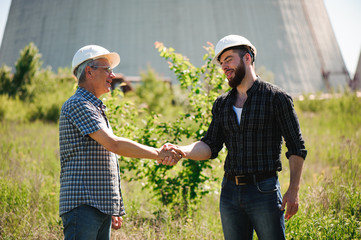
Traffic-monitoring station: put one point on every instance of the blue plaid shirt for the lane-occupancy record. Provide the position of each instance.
(89, 173)
(254, 145)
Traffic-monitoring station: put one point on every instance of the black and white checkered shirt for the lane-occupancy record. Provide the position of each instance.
(254, 145)
(89, 173)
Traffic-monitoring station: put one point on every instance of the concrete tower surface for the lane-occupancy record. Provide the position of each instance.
(356, 83)
(294, 38)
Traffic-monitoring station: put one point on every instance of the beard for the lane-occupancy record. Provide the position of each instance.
(238, 76)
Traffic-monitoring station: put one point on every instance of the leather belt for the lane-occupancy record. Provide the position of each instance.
(244, 179)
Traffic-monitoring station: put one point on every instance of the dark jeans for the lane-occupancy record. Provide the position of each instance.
(250, 207)
(88, 223)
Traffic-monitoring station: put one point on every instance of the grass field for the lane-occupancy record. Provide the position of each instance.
(330, 194)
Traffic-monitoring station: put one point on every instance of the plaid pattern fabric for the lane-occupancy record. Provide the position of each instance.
(89, 173)
(254, 145)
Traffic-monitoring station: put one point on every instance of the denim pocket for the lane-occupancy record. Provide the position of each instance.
(269, 185)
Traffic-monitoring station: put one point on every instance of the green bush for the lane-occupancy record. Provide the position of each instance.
(26, 68)
(5, 79)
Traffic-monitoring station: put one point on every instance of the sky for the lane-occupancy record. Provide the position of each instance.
(345, 17)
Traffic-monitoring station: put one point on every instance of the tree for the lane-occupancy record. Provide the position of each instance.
(5, 79)
(26, 68)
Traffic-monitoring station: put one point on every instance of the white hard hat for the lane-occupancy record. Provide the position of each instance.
(92, 52)
(232, 41)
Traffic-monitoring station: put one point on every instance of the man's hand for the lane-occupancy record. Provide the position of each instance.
(117, 222)
(170, 154)
(291, 200)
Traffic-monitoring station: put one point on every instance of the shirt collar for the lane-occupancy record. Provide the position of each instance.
(250, 91)
(254, 87)
(90, 97)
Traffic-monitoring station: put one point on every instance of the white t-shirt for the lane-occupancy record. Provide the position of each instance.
(238, 112)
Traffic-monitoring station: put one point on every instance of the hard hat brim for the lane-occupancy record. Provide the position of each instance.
(215, 59)
(112, 57)
(248, 45)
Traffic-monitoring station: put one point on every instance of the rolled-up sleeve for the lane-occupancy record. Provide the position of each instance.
(290, 127)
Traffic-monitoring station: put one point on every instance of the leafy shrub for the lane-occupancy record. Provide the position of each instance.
(5, 79)
(26, 68)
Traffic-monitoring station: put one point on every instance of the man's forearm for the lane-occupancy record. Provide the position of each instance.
(296, 166)
(128, 148)
(197, 151)
(123, 146)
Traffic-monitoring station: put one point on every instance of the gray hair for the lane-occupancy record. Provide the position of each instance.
(80, 70)
(80, 73)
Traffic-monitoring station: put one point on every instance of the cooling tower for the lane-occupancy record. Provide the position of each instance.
(294, 38)
(356, 83)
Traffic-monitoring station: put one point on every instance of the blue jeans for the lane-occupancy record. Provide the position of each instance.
(86, 222)
(252, 207)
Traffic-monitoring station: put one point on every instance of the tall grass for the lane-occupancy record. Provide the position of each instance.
(331, 188)
(29, 180)
(330, 195)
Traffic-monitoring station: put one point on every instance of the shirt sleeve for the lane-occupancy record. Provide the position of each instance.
(85, 117)
(289, 125)
(214, 137)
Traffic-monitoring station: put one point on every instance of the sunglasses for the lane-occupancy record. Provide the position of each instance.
(107, 69)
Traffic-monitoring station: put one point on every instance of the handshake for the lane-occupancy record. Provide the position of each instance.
(169, 154)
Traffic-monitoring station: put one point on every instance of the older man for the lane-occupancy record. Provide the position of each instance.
(90, 194)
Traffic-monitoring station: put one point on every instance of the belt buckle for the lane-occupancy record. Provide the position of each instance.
(237, 180)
